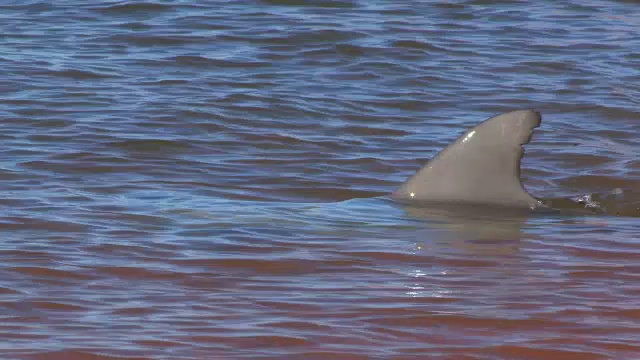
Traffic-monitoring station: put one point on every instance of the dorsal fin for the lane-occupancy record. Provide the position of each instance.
(482, 166)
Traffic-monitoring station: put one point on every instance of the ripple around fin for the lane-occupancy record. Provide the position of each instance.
(481, 166)
(618, 202)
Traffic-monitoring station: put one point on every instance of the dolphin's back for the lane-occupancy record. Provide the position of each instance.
(481, 167)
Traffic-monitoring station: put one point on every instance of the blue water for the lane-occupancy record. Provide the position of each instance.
(208, 180)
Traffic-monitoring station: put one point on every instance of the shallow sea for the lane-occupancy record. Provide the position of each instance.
(209, 180)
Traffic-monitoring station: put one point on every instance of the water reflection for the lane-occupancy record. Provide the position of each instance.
(472, 222)
(460, 243)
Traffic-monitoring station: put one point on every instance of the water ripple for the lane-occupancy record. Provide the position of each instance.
(186, 180)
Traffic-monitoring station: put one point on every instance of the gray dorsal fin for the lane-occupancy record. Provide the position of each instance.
(482, 166)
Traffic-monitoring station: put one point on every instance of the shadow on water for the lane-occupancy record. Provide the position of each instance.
(472, 228)
(490, 230)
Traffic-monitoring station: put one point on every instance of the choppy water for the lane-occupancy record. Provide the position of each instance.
(206, 180)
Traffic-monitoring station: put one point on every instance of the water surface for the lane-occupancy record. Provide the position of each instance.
(207, 180)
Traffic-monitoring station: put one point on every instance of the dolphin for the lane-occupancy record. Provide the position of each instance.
(480, 168)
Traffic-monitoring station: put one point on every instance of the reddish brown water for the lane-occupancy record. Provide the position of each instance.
(183, 180)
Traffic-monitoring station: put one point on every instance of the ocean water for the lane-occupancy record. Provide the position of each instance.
(209, 180)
